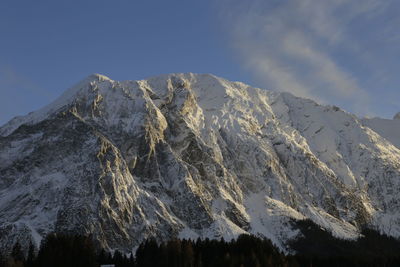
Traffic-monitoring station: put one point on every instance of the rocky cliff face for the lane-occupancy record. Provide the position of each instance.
(191, 156)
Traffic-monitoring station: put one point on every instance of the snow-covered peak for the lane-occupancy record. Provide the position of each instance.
(72, 93)
(211, 93)
(194, 155)
(207, 84)
(64, 100)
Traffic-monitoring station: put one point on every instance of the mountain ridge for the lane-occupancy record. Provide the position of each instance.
(192, 155)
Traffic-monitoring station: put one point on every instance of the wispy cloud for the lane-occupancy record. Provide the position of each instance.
(19, 94)
(292, 45)
(10, 80)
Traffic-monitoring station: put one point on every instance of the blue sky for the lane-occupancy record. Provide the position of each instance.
(339, 52)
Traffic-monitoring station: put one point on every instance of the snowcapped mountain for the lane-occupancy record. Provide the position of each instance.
(193, 155)
(389, 129)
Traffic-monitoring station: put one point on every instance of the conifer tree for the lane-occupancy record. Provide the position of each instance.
(2, 260)
(17, 253)
(31, 256)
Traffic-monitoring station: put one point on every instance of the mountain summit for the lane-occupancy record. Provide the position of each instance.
(192, 155)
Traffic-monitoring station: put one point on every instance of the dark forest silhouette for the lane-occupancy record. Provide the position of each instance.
(316, 247)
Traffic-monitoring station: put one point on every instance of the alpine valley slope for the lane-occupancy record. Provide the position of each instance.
(191, 155)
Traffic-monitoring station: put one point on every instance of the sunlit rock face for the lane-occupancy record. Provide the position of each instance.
(191, 155)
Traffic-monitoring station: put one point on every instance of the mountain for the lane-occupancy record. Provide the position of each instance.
(389, 129)
(192, 155)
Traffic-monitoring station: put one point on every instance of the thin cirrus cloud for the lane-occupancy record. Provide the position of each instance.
(293, 45)
(19, 94)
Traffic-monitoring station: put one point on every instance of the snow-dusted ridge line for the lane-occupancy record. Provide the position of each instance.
(193, 155)
(388, 129)
(66, 98)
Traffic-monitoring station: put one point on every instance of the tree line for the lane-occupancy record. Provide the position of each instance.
(316, 247)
